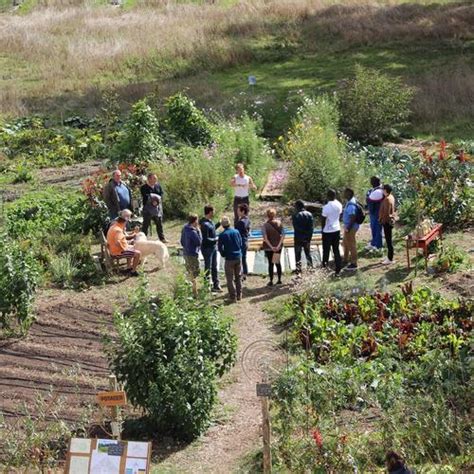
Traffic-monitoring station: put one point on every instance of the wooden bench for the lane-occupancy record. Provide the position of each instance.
(255, 243)
(113, 263)
(423, 242)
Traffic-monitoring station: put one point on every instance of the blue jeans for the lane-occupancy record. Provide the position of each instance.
(210, 264)
(376, 228)
(245, 270)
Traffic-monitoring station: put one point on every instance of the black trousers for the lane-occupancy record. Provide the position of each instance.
(387, 232)
(239, 200)
(147, 219)
(306, 246)
(331, 241)
(269, 255)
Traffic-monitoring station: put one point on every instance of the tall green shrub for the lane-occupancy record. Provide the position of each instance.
(318, 157)
(193, 178)
(187, 121)
(240, 140)
(169, 353)
(18, 281)
(140, 141)
(372, 103)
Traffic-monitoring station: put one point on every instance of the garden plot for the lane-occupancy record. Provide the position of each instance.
(63, 353)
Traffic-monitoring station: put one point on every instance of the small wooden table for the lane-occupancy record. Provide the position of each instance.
(423, 242)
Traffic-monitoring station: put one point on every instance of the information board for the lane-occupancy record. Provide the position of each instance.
(108, 456)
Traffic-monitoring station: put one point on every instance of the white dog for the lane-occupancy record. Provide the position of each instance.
(152, 247)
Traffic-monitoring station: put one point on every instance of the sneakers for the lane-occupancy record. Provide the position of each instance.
(279, 282)
(370, 247)
(216, 289)
(386, 261)
(351, 267)
(270, 283)
(133, 273)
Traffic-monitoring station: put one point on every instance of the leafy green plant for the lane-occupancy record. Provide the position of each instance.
(450, 259)
(140, 140)
(31, 141)
(168, 353)
(442, 189)
(186, 121)
(22, 174)
(372, 103)
(18, 281)
(239, 141)
(45, 212)
(363, 371)
(63, 270)
(318, 157)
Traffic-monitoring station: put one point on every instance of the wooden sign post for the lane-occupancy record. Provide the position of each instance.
(113, 399)
(264, 391)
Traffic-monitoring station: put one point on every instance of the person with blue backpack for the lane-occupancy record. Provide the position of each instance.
(352, 217)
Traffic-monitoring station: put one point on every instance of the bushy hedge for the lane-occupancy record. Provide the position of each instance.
(140, 141)
(193, 177)
(169, 353)
(186, 121)
(318, 156)
(372, 104)
(18, 281)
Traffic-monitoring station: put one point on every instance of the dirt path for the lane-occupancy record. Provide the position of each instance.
(222, 448)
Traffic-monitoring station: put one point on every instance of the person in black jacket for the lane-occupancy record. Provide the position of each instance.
(303, 224)
(243, 226)
(151, 212)
(209, 247)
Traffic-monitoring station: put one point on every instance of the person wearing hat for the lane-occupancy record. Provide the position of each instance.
(230, 248)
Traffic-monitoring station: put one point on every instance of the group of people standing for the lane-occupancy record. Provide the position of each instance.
(381, 209)
(200, 235)
(118, 197)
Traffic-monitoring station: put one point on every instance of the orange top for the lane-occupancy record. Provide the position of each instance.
(116, 239)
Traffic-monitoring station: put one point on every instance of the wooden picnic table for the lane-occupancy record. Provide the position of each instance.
(423, 242)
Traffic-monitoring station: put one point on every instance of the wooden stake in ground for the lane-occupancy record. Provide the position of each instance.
(264, 392)
(114, 410)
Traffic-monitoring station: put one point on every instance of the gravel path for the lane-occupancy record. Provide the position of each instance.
(224, 445)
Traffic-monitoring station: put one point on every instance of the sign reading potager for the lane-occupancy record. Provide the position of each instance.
(112, 399)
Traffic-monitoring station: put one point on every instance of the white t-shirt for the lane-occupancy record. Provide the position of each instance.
(331, 211)
(242, 186)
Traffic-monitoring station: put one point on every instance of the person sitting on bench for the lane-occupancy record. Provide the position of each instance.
(117, 241)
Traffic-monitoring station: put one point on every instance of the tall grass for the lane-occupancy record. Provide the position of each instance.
(69, 46)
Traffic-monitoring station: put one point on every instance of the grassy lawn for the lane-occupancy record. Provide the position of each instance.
(278, 82)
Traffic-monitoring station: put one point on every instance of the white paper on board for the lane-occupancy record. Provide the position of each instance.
(137, 450)
(79, 465)
(79, 445)
(135, 466)
(102, 463)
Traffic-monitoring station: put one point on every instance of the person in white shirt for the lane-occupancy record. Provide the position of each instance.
(332, 230)
(241, 184)
(374, 198)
